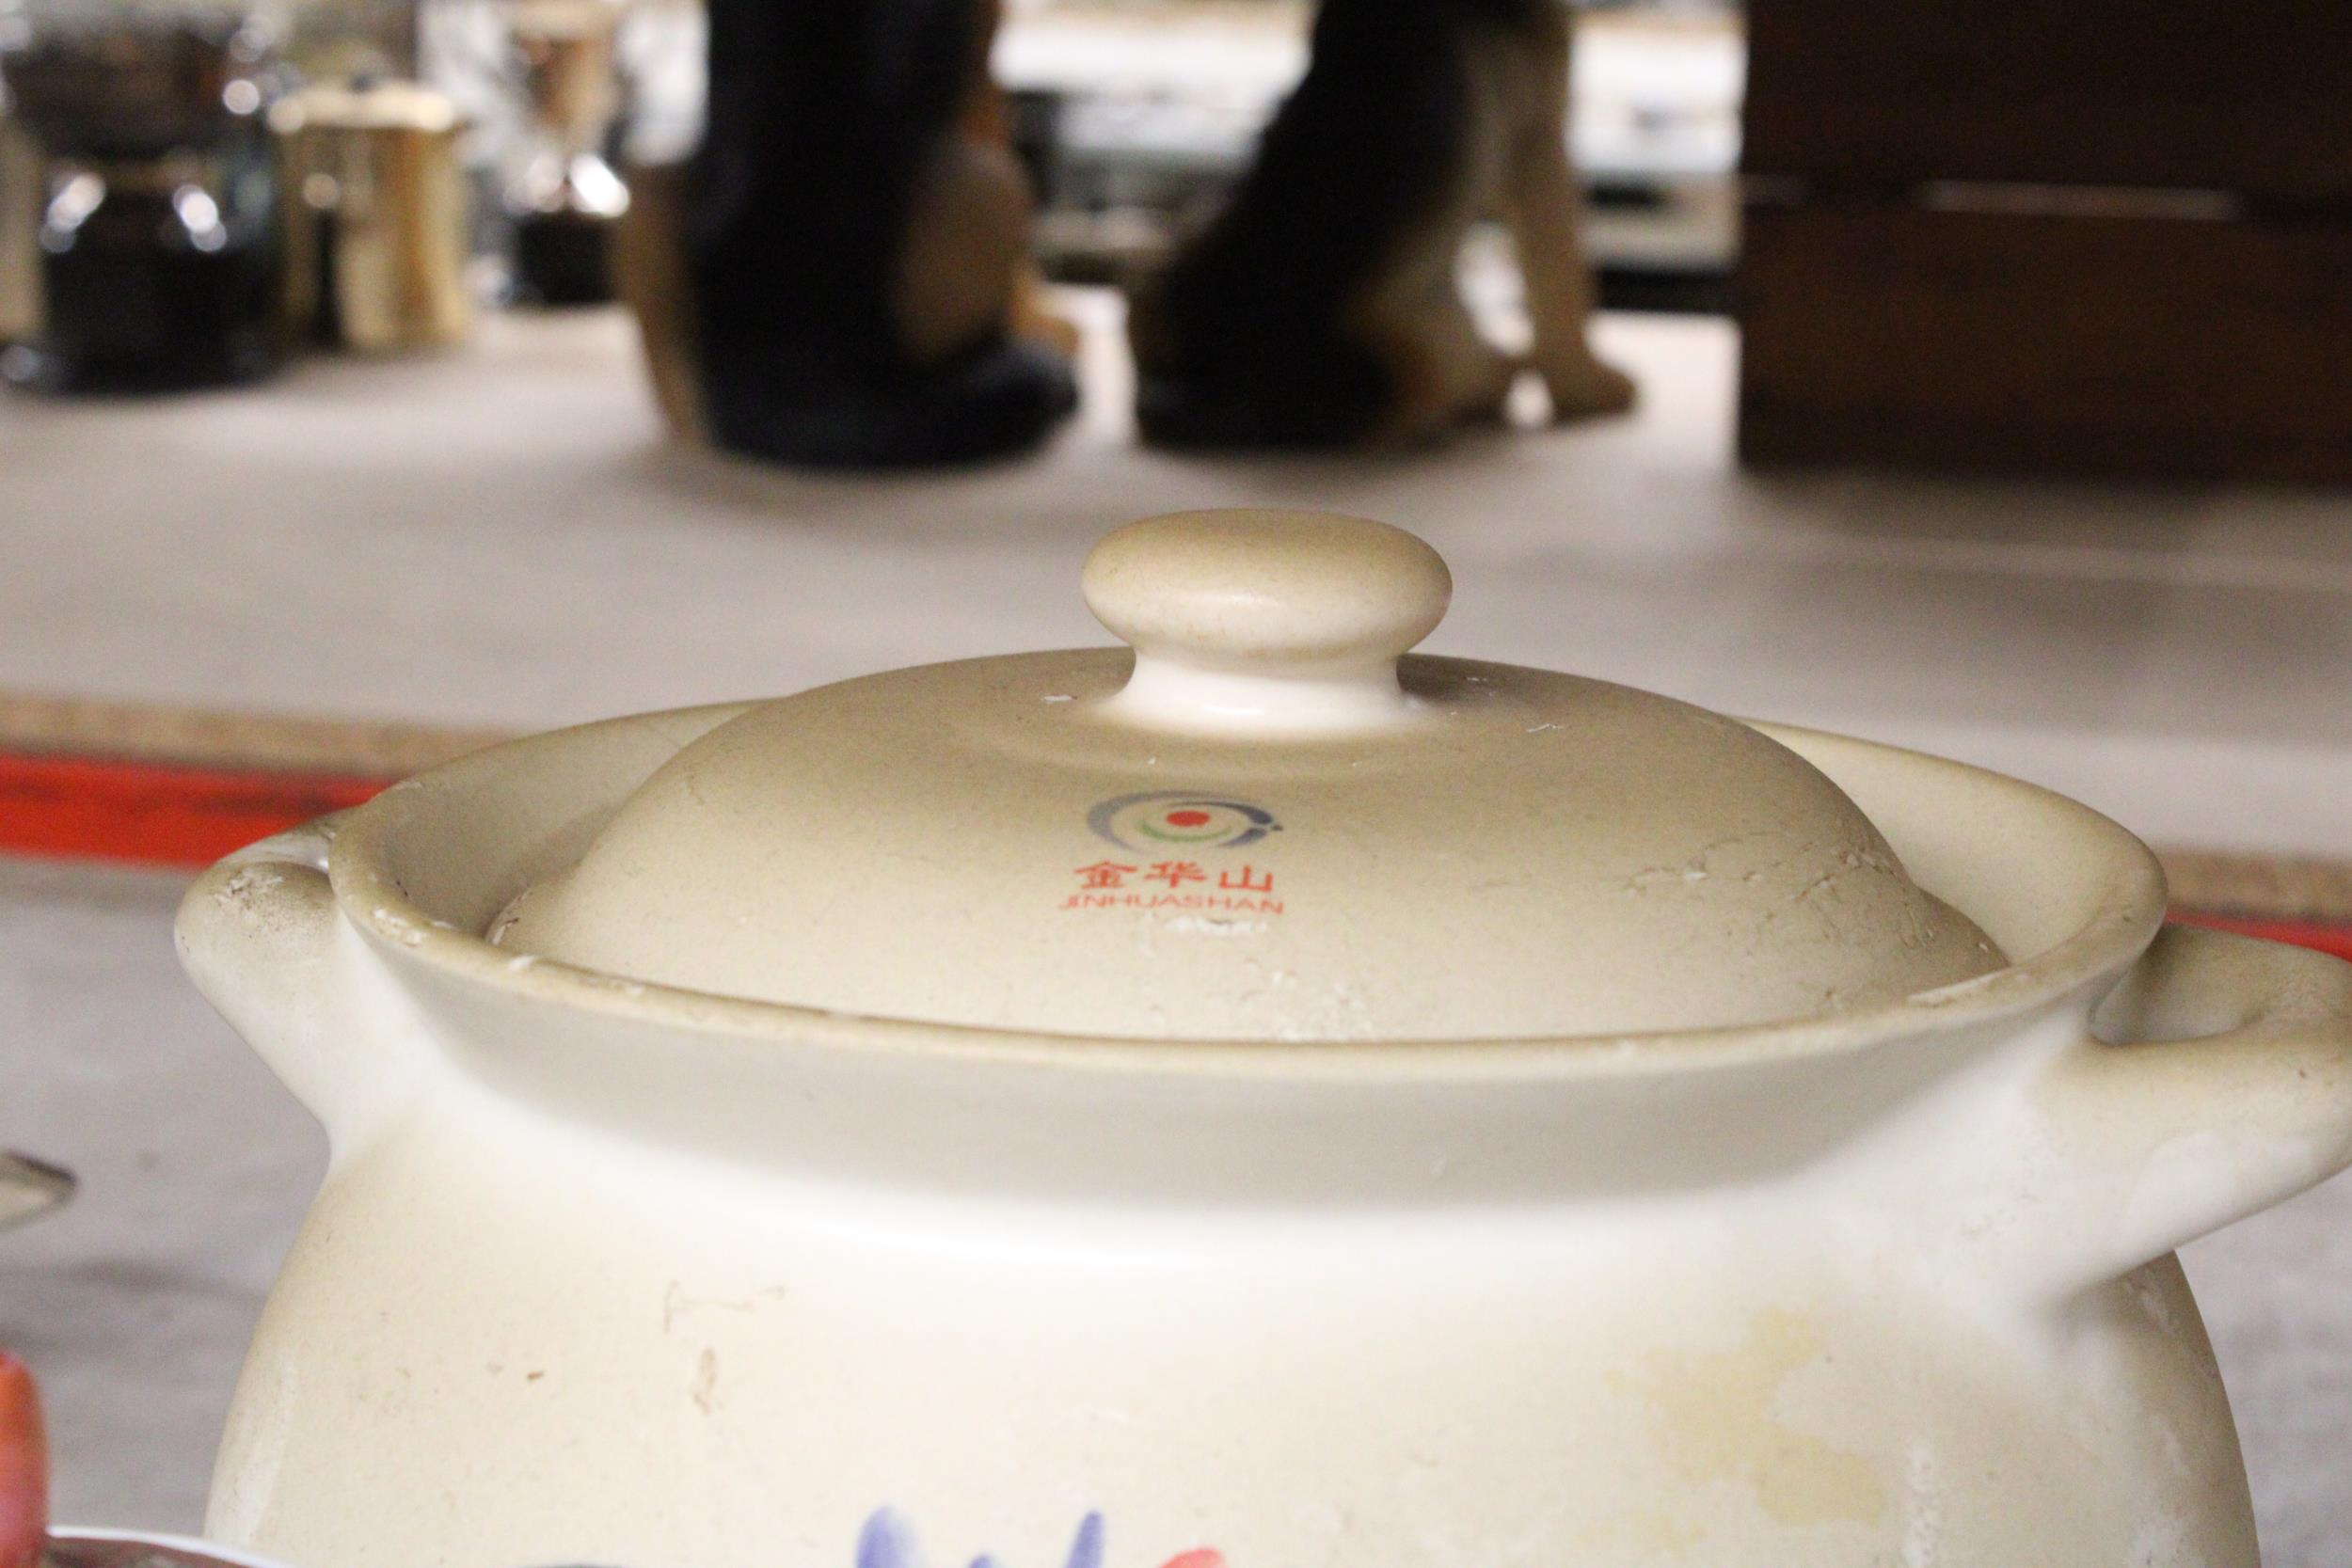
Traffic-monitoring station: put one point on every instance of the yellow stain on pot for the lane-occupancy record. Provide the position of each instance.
(1714, 1412)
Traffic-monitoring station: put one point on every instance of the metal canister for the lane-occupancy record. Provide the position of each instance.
(380, 212)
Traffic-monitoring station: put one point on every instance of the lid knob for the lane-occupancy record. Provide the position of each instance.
(1274, 620)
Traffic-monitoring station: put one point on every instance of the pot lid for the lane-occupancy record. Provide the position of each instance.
(1268, 821)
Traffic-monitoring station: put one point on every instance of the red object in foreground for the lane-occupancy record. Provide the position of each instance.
(155, 812)
(23, 1468)
(2318, 935)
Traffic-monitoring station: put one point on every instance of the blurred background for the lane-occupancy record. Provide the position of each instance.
(1995, 398)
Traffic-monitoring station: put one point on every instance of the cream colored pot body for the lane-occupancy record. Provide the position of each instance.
(608, 1274)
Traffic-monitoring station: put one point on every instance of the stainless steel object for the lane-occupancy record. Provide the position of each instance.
(29, 1188)
(377, 242)
(108, 1548)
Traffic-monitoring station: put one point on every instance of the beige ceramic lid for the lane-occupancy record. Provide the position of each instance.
(1266, 823)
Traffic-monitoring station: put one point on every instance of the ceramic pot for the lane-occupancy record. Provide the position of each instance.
(1274, 1100)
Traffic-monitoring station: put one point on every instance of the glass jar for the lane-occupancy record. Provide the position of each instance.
(157, 232)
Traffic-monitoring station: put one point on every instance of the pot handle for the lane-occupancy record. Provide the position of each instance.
(2219, 1084)
(263, 938)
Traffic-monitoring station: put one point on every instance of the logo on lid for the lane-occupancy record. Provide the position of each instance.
(1173, 818)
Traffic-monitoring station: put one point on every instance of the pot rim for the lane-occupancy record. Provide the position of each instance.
(2127, 908)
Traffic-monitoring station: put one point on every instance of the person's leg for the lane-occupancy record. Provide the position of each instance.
(1545, 214)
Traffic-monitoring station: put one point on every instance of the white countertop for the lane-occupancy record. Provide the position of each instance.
(501, 536)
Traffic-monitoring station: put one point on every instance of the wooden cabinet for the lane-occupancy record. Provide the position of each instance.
(2094, 236)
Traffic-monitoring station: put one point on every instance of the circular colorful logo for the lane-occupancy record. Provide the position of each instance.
(1173, 818)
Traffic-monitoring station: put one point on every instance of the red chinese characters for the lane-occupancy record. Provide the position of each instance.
(1111, 873)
